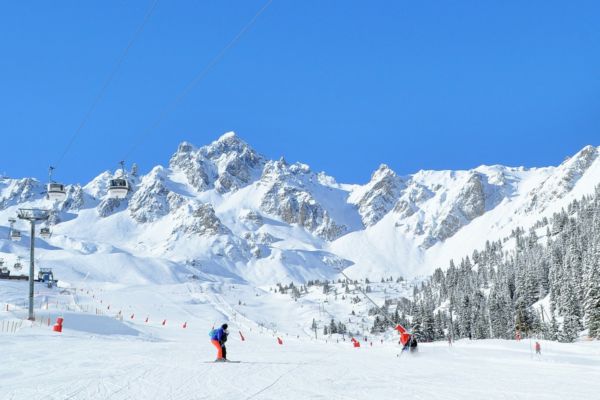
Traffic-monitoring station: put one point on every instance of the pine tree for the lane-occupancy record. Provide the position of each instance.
(333, 327)
(592, 296)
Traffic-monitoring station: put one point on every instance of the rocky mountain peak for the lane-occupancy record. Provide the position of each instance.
(382, 171)
(227, 164)
(280, 171)
(378, 197)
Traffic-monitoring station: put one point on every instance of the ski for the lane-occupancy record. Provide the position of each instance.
(222, 362)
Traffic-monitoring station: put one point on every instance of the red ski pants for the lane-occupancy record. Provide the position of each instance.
(218, 346)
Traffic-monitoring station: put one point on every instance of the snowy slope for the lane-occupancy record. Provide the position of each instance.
(100, 355)
(225, 211)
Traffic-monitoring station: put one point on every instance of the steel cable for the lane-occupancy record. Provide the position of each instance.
(105, 85)
(193, 84)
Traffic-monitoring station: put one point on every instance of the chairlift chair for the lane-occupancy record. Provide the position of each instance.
(119, 188)
(55, 191)
(45, 233)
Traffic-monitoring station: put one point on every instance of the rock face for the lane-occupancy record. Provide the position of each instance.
(225, 165)
(380, 195)
(75, 199)
(290, 196)
(410, 201)
(204, 222)
(108, 206)
(468, 204)
(153, 200)
(438, 211)
(19, 191)
(562, 181)
(251, 219)
(471, 199)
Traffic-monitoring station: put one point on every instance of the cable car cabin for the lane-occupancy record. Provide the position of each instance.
(18, 266)
(45, 233)
(45, 275)
(118, 188)
(56, 192)
(15, 235)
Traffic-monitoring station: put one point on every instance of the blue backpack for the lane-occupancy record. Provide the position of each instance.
(212, 333)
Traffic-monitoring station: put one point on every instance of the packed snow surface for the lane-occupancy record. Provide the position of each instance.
(99, 356)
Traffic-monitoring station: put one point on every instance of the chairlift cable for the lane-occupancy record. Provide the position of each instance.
(106, 84)
(193, 84)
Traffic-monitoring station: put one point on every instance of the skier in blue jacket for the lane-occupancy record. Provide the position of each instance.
(218, 339)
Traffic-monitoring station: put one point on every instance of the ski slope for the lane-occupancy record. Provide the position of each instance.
(100, 356)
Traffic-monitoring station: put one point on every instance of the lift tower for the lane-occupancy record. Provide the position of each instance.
(32, 215)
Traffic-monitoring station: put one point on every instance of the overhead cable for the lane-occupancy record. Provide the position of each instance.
(194, 83)
(105, 85)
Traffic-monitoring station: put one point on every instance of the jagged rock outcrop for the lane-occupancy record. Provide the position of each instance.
(153, 199)
(297, 207)
(203, 222)
(108, 206)
(471, 199)
(251, 219)
(134, 170)
(261, 237)
(562, 180)
(379, 195)
(74, 200)
(225, 165)
(411, 199)
(19, 191)
(468, 204)
(290, 197)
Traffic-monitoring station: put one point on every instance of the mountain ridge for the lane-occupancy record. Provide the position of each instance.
(224, 210)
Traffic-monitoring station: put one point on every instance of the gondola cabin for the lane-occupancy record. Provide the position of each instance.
(56, 192)
(118, 188)
(15, 235)
(18, 266)
(45, 233)
(45, 275)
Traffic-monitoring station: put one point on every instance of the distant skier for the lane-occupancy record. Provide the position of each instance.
(449, 342)
(218, 338)
(538, 348)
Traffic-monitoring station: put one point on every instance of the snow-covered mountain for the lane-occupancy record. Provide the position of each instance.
(225, 211)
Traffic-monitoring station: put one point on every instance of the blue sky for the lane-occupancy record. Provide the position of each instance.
(340, 85)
